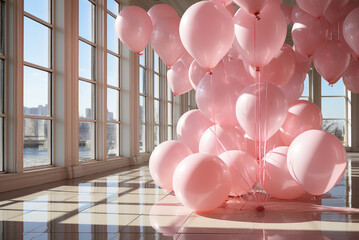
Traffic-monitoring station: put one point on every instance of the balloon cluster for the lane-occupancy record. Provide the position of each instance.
(251, 133)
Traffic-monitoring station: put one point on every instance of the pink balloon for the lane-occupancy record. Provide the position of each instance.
(339, 4)
(278, 182)
(178, 79)
(308, 33)
(252, 6)
(186, 59)
(317, 160)
(351, 30)
(190, 128)
(348, 8)
(234, 52)
(164, 160)
(231, 9)
(223, 2)
(287, 11)
(331, 60)
(197, 73)
(298, 14)
(351, 76)
(134, 28)
(207, 32)
(302, 116)
(295, 87)
(332, 14)
(160, 11)
(315, 8)
(235, 72)
(243, 169)
(221, 138)
(166, 40)
(202, 182)
(261, 110)
(260, 39)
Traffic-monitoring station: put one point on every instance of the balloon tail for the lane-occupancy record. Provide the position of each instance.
(140, 53)
(256, 14)
(169, 67)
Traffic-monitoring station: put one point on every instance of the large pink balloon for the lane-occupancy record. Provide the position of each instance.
(207, 32)
(166, 40)
(351, 76)
(317, 160)
(223, 2)
(164, 160)
(257, 149)
(186, 59)
(190, 128)
(278, 182)
(309, 32)
(298, 14)
(331, 60)
(197, 73)
(178, 79)
(295, 87)
(287, 11)
(202, 182)
(333, 11)
(260, 39)
(315, 8)
(351, 30)
(302, 116)
(235, 70)
(134, 28)
(160, 11)
(231, 9)
(261, 110)
(243, 169)
(221, 138)
(252, 6)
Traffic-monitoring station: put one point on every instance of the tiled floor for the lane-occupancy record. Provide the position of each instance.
(126, 204)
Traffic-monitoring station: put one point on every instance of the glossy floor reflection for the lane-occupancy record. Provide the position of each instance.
(126, 204)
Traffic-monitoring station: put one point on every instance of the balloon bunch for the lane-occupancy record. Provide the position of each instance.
(251, 134)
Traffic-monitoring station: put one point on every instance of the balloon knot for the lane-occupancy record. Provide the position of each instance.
(140, 53)
(209, 72)
(257, 15)
(318, 18)
(260, 208)
(331, 85)
(169, 68)
(258, 69)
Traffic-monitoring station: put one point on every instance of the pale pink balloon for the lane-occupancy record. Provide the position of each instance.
(331, 60)
(166, 40)
(207, 32)
(221, 138)
(164, 160)
(261, 110)
(298, 14)
(160, 11)
(348, 8)
(278, 182)
(134, 28)
(302, 116)
(186, 59)
(287, 11)
(351, 30)
(332, 14)
(252, 6)
(234, 52)
(178, 79)
(309, 32)
(190, 128)
(216, 97)
(243, 169)
(202, 182)
(339, 4)
(295, 87)
(223, 2)
(351, 76)
(231, 9)
(315, 8)
(317, 160)
(260, 39)
(235, 72)
(197, 73)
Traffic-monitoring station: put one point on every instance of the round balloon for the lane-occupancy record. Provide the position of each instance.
(252, 6)
(351, 76)
(178, 79)
(287, 11)
(315, 8)
(160, 11)
(293, 90)
(351, 30)
(197, 73)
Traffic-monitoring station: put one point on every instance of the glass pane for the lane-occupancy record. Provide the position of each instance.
(169, 113)
(156, 63)
(335, 127)
(113, 105)
(157, 135)
(143, 137)
(38, 8)
(337, 89)
(113, 43)
(86, 141)
(333, 107)
(113, 140)
(87, 20)
(36, 92)
(2, 81)
(156, 86)
(169, 94)
(169, 133)
(304, 98)
(143, 58)
(37, 39)
(1, 144)
(86, 61)
(142, 109)
(2, 27)
(37, 142)
(306, 87)
(157, 111)
(113, 70)
(142, 80)
(86, 100)
(113, 6)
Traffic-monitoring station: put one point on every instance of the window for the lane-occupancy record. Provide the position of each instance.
(157, 85)
(170, 127)
(191, 96)
(2, 83)
(37, 82)
(87, 80)
(113, 82)
(143, 118)
(306, 95)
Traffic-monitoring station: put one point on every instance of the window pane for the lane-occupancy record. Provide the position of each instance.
(113, 140)
(143, 137)
(335, 127)
(113, 105)
(87, 20)
(86, 100)
(1, 144)
(157, 135)
(169, 113)
(333, 107)
(112, 5)
(38, 8)
(2, 27)
(2, 81)
(37, 38)
(142, 109)
(306, 86)
(156, 86)
(37, 142)
(337, 89)
(36, 92)
(112, 40)
(86, 61)
(143, 58)
(142, 80)
(113, 70)
(157, 111)
(86, 141)
(156, 63)
(169, 133)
